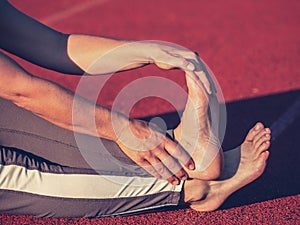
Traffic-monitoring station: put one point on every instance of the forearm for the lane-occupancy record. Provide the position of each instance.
(77, 54)
(100, 55)
(54, 103)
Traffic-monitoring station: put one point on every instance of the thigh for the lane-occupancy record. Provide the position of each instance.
(21, 129)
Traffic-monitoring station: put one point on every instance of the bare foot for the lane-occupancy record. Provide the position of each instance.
(254, 153)
(196, 135)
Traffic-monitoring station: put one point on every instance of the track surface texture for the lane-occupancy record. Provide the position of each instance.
(253, 48)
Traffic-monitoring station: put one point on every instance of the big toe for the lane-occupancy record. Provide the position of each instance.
(254, 131)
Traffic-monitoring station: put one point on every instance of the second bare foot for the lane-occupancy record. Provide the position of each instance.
(254, 154)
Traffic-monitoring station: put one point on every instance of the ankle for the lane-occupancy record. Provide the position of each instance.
(194, 190)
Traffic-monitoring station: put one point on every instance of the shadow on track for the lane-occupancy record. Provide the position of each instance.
(281, 177)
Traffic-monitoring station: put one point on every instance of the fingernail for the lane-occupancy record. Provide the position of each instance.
(190, 66)
(175, 182)
(191, 166)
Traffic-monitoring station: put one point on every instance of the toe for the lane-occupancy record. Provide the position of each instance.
(264, 146)
(265, 154)
(262, 162)
(254, 131)
(261, 137)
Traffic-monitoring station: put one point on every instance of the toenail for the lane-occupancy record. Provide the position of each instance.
(267, 135)
(267, 130)
(257, 127)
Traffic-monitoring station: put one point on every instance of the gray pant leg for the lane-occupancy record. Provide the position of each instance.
(34, 186)
(52, 177)
(22, 129)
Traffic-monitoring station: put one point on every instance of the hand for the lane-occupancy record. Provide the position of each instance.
(154, 152)
(169, 56)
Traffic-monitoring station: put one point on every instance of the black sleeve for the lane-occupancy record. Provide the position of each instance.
(27, 38)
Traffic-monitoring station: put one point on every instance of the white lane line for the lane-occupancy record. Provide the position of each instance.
(72, 10)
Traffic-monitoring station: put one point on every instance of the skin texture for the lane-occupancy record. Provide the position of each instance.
(242, 166)
(54, 104)
(97, 55)
(84, 50)
(68, 53)
(196, 134)
(149, 148)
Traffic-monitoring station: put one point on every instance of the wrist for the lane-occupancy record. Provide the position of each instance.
(109, 123)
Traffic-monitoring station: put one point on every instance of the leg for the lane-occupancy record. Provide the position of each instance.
(197, 135)
(209, 195)
(34, 186)
(72, 112)
(72, 190)
(22, 129)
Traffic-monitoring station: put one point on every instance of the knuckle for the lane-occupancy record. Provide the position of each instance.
(140, 161)
(145, 154)
(158, 152)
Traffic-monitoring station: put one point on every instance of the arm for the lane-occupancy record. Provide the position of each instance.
(74, 54)
(55, 104)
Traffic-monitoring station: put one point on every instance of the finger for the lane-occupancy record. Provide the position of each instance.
(163, 171)
(208, 75)
(195, 86)
(160, 168)
(174, 61)
(198, 66)
(177, 152)
(173, 166)
(149, 168)
(201, 78)
(173, 180)
(204, 80)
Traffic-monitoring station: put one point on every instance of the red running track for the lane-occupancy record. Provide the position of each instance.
(253, 47)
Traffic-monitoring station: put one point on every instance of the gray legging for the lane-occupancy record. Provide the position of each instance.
(44, 173)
